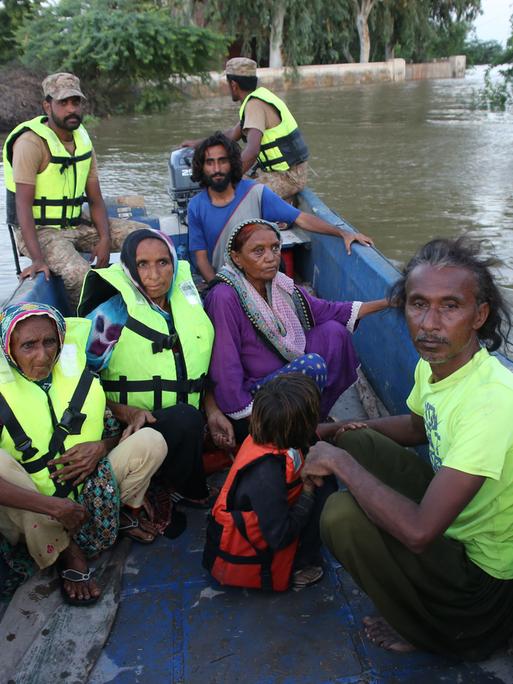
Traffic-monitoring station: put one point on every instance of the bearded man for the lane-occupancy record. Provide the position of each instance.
(50, 171)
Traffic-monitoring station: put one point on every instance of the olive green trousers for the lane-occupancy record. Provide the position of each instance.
(437, 600)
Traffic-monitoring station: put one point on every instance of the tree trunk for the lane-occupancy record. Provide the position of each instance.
(363, 9)
(389, 52)
(276, 39)
(349, 57)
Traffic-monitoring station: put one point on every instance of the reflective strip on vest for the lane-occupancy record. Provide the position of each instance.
(282, 146)
(60, 188)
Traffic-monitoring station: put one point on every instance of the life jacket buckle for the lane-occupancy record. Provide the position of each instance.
(27, 450)
(72, 421)
(166, 342)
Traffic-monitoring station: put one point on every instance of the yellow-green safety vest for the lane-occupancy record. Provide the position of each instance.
(154, 364)
(33, 420)
(60, 188)
(282, 146)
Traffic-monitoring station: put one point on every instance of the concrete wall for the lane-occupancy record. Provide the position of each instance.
(454, 67)
(333, 75)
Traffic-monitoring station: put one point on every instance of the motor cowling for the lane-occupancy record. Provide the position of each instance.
(181, 186)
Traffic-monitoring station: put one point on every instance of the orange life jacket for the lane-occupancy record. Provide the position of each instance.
(236, 552)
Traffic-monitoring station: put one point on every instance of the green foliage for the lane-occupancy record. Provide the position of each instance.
(12, 15)
(421, 30)
(495, 95)
(483, 52)
(314, 32)
(498, 94)
(116, 45)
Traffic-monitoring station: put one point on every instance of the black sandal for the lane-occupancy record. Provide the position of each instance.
(134, 524)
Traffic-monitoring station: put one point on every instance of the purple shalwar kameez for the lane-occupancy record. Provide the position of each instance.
(241, 357)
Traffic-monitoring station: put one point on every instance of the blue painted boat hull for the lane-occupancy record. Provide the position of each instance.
(175, 624)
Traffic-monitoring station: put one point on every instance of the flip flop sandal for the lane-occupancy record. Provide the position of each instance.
(307, 576)
(128, 529)
(203, 504)
(72, 575)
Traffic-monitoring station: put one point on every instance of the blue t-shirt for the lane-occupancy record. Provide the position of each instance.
(207, 221)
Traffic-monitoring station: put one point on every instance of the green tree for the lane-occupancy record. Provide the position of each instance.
(419, 30)
(288, 32)
(12, 15)
(119, 48)
(483, 52)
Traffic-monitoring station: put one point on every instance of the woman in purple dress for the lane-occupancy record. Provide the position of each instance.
(266, 325)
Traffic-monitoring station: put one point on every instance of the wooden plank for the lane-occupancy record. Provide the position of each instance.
(43, 639)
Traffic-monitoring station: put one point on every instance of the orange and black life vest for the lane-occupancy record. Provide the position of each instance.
(236, 552)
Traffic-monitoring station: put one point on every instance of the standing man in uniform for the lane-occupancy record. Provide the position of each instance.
(50, 171)
(272, 136)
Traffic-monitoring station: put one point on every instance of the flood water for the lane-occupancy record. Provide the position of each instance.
(402, 162)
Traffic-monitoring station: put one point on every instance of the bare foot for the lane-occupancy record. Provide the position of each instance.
(72, 558)
(382, 634)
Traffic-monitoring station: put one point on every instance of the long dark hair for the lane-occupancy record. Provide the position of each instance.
(232, 152)
(461, 252)
(285, 412)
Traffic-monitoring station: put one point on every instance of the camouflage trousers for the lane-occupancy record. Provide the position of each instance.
(60, 249)
(284, 183)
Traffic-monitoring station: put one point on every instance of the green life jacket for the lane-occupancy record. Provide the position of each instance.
(155, 363)
(60, 188)
(282, 146)
(38, 426)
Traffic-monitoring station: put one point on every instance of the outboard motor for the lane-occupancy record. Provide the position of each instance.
(181, 187)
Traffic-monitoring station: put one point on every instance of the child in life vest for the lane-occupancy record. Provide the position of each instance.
(263, 532)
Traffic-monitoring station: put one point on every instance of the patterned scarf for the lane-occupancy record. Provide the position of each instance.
(14, 313)
(277, 318)
(128, 257)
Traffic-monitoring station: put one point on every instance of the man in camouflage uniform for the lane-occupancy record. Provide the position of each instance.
(275, 152)
(50, 170)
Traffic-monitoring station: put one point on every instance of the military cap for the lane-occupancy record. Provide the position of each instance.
(240, 66)
(62, 85)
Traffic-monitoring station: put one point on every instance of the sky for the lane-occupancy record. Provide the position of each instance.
(494, 24)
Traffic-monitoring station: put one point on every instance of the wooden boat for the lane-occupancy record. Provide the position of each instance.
(161, 617)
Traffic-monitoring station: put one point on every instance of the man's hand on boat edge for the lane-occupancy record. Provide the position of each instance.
(37, 266)
(360, 238)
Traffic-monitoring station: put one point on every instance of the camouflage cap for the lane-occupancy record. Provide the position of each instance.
(62, 85)
(240, 66)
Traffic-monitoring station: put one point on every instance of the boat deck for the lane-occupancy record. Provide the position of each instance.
(176, 625)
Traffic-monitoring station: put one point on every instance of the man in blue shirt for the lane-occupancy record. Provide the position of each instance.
(227, 199)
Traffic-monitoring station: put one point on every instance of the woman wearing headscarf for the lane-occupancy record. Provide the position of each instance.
(151, 342)
(266, 325)
(62, 481)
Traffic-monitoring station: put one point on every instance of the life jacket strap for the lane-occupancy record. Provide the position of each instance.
(66, 162)
(70, 424)
(22, 441)
(263, 556)
(160, 341)
(157, 385)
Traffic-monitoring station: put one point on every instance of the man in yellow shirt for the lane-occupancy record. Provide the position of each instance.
(432, 543)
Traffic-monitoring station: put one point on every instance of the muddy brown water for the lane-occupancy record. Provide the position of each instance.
(402, 162)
